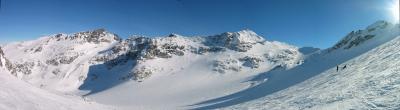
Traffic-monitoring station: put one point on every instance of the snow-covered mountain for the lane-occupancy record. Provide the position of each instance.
(59, 61)
(198, 72)
(100, 62)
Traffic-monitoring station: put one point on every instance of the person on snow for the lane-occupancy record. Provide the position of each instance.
(345, 66)
(337, 68)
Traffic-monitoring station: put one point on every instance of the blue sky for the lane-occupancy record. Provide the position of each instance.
(317, 23)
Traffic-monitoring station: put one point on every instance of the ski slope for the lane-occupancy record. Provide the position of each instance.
(370, 81)
(315, 64)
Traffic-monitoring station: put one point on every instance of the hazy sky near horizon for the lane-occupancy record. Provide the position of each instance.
(317, 23)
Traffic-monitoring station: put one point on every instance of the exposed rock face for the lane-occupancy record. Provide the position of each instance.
(252, 62)
(239, 41)
(24, 68)
(4, 62)
(352, 39)
(356, 38)
(64, 58)
(141, 49)
(223, 66)
(95, 36)
(1, 57)
(142, 73)
(64, 50)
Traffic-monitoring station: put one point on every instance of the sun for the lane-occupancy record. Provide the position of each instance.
(394, 10)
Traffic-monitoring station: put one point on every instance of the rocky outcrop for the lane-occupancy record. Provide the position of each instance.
(4, 62)
(239, 41)
(1, 58)
(24, 68)
(134, 52)
(95, 36)
(63, 58)
(356, 38)
(226, 65)
(140, 49)
(252, 62)
(142, 73)
(353, 39)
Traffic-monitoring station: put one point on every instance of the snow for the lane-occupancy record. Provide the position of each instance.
(232, 70)
(180, 81)
(166, 73)
(315, 64)
(18, 95)
(370, 81)
(57, 75)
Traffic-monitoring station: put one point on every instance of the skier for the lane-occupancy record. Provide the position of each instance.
(337, 68)
(344, 67)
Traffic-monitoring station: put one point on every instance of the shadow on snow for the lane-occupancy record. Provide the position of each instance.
(101, 77)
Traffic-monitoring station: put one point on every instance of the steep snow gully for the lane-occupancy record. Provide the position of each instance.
(232, 70)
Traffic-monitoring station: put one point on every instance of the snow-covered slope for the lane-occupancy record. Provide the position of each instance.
(353, 45)
(370, 81)
(58, 62)
(19, 95)
(184, 68)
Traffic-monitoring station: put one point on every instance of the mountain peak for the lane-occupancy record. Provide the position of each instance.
(246, 36)
(97, 32)
(247, 31)
(359, 37)
(93, 36)
(173, 35)
(379, 24)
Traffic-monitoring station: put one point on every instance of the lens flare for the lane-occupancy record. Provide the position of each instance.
(394, 10)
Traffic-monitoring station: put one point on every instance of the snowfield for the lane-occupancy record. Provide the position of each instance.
(370, 81)
(232, 70)
(19, 95)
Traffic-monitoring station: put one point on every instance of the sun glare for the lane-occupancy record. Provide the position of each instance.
(394, 10)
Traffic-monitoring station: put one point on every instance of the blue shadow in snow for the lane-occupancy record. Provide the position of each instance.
(102, 77)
